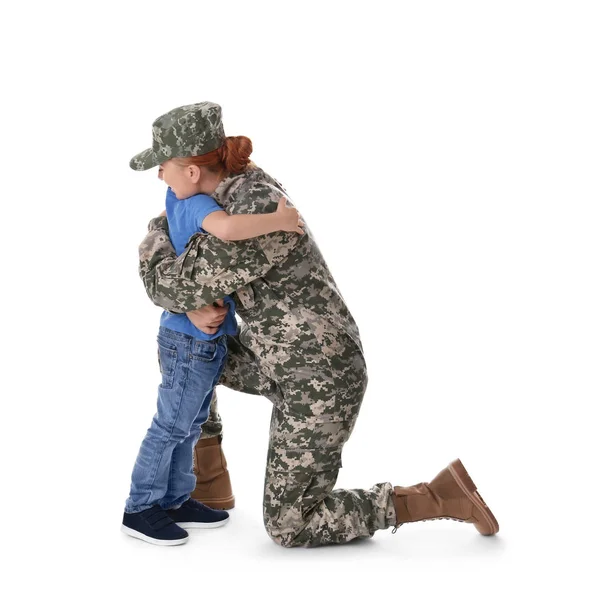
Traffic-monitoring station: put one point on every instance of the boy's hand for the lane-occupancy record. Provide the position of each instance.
(208, 319)
(163, 214)
(288, 217)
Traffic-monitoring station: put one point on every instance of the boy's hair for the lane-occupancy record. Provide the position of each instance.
(232, 156)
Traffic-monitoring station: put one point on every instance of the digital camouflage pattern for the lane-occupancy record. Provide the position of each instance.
(297, 345)
(190, 130)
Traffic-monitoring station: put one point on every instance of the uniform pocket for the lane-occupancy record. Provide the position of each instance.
(246, 296)
(290, 500)
(167, 359)
(284, 501)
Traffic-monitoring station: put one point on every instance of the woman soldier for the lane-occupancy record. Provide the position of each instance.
(297, 345)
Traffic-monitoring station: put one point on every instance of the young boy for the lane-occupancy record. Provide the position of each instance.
(159, 507)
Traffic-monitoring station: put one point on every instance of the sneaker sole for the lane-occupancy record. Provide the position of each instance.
(142, 537)
(203, 525)
(466, 484)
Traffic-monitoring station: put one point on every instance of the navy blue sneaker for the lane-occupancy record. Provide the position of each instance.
(195, 515)
(153, 526)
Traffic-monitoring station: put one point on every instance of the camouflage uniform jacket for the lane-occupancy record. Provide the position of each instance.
(280, 282)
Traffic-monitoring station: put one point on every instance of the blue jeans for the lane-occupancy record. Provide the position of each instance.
(190, 369)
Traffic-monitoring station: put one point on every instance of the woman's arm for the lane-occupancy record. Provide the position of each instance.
(210, 268)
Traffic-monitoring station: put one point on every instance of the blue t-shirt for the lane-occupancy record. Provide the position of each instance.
(185, 219)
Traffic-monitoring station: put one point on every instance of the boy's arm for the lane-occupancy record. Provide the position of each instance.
(210, 268)
(243, 226)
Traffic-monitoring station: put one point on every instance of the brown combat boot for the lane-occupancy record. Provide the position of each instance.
(451, 495)
(213, 486)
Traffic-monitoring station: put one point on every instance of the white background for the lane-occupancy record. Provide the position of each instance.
(445, 156)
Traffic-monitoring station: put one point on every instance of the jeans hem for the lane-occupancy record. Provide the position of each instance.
(135, 509)
(176, 505)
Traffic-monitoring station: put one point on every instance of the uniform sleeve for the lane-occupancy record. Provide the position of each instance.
(261, 197)
(210, 268)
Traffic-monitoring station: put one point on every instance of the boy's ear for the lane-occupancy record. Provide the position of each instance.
(195, 173)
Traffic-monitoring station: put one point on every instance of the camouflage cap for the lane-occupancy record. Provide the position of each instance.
(190, 130)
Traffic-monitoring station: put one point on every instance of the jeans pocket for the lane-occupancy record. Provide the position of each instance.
(167, 359)
(205, 351)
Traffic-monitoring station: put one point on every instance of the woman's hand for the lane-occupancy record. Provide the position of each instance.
(288, 217)
(208, 319)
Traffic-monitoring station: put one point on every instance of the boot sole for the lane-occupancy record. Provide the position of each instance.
(152, 540)
(217, 503)
(466, 484)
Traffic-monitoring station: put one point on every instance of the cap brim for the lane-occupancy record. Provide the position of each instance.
(144, 160)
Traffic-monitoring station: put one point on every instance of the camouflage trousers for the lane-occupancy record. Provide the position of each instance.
(316, 403)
